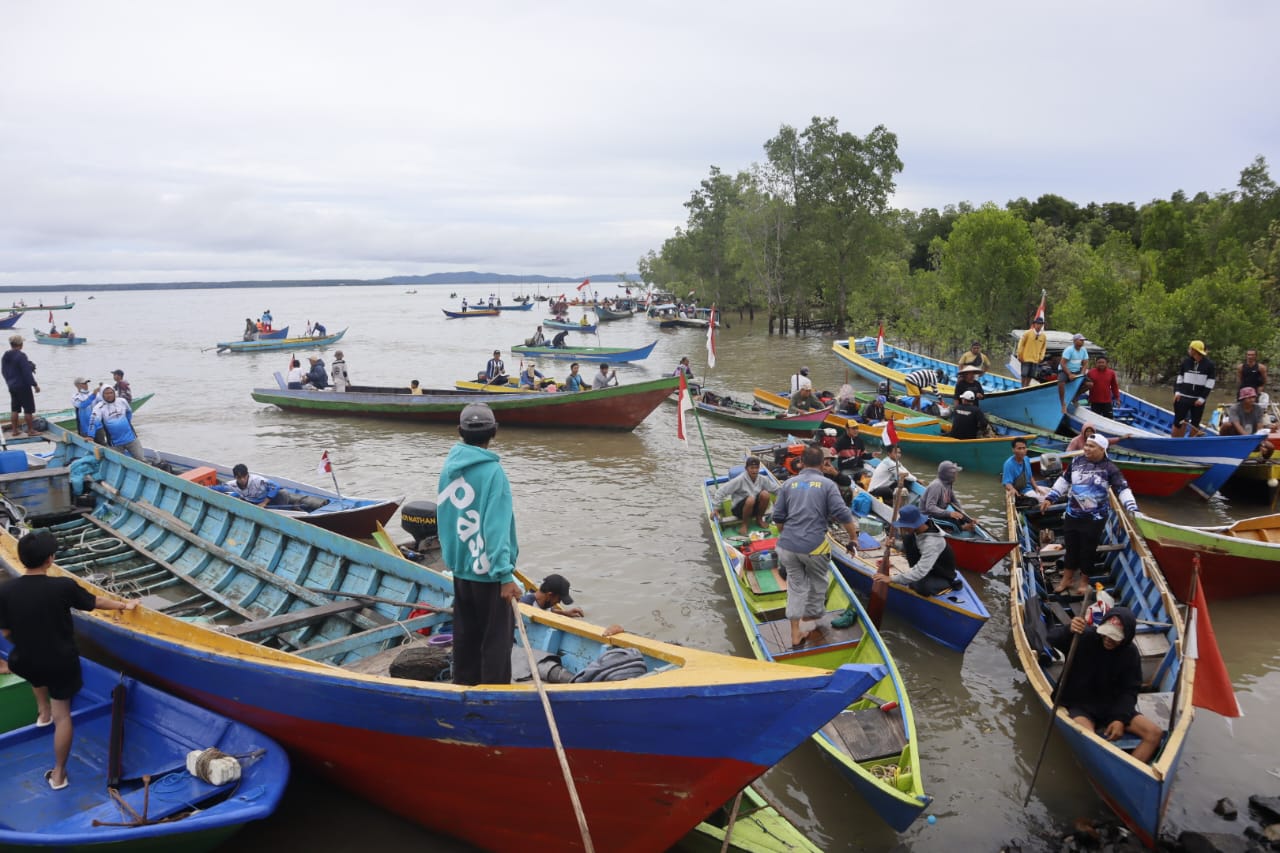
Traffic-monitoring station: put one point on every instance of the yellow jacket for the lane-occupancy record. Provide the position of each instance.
(1032, 346)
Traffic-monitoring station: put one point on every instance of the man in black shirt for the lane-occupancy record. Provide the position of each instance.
(35, 615)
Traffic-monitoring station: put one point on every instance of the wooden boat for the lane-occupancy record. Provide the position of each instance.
(273, 335)
(10, 321)
(282, 344)
(1222, 453)
(1137, 792)
(758, 828)
(608, 315)
(976, 551)
(902, 418)
(66, 418)
(354, 517)
(873, 740)
(977, 455)
(672, 317)
(758, 417)
(1236, 560)
(300, 624)
(66, 306)
(149, 733)
(1035, 405)
(567, 325)
(610, 355)
(471, 312)
(59, 340)
(618, 407)
(519, 306)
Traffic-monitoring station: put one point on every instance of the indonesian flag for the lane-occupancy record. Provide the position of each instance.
(684, 404)
(325, 466)
(1039, 315)
(711, 338)
(880, 342)
(1213, 690)
(585, 282)
(890, 433)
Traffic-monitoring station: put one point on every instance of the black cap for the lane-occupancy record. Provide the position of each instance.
(558, 585)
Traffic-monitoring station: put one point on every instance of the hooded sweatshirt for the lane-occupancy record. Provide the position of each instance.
(940, 494)
(476, 517)
(1103, 683)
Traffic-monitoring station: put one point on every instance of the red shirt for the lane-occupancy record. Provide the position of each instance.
(1105, 388)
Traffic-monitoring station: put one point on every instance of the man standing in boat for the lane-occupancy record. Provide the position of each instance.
(1253, 374)
(1031, 349)
(115, 418)
(1073, 363)
(1104, 387)
(477, 527)
(20, 375)
(83, 402)
(976, 357)
(807, 503)
(1195, 381)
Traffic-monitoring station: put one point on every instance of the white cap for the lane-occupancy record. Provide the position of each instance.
(968, 395)
(1100, 440)
(1112, 630)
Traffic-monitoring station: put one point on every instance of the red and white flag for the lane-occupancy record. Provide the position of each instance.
(50, 316)
(890, 434)
(1039, 315)
(1213, 690)
(711, 338)
(325, 467)
(880, 342)
(585, 283)
(684, 404)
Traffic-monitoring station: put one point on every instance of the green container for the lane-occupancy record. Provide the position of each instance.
(17, 703)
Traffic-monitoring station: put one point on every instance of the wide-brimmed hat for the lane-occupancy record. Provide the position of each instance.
(910, 516)
(971, 368)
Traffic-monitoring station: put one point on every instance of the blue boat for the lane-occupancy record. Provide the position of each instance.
(609, 355)
(567, 325)
(519, 306)
(1136, 791)
(129, 755)
(10, 321)
(294, 629)
(1035, 405)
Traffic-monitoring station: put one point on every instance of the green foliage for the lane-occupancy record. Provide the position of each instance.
(989, 271)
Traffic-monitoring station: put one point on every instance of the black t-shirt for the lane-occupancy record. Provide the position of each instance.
(36, 610)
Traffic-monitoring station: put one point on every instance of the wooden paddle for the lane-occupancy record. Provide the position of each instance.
(1057, 700)
(880, 591)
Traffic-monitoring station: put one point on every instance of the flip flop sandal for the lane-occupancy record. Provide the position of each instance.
(48, 722)
(48, 777)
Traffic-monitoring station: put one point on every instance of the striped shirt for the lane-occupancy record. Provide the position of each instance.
(925, 378)
(1195, 378)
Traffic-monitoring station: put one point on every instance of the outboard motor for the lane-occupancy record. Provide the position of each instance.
(418, 519)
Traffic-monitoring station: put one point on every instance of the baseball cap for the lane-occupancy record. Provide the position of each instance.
(804, 371)
(1112, 630)
(1077, 337)
(1100, 440)
(559, 585)
(1039, 320)
(80, 380)
(477, 416)
(968, 395)
(1198, 346)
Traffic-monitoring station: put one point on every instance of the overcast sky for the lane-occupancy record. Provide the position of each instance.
(182, 139)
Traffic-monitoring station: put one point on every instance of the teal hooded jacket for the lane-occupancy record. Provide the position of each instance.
(476, 517)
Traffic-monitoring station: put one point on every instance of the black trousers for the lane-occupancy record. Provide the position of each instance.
(484, 627)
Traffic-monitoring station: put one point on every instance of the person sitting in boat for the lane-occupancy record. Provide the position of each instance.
(53, 330)
(266, 320)
(66, 331)
(318, 330)
(800, 379)
(254, 488)
(747, 494)
(1245, 417)
(538, 339)
(968, 381)
(294, 380)
(495, 372)
(921, 382)
(574, 382)
(114, 418)
(847, 402)
(550, 594)
(1084, 484)
(415, 388)
(804, 401)
(583, 321)
(967, 420)
(1101, 691)
(531, 377)
(316, 377)
(683, 367)
(558, 341)
(874, 412)
(250, 330)
(939, 501)
(851, 450)
(1017, 478)
(932, 565)
(889, 474)
(604, 378)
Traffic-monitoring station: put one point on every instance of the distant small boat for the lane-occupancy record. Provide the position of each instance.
(611, 355)
(64, 307)
(471, 312)
(59, 340)
(519, 306)
(411, 292)
(569, 326)
(10, 321)
(281, 344)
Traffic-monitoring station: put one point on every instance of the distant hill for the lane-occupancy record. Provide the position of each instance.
(433, 278)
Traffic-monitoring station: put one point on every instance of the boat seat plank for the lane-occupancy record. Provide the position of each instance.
(869, 734)
(776, 635)
(260, 628)
(362, 639)
(1157, 707)
(764, 582)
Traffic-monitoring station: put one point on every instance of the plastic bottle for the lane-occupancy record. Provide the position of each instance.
(1102, 603)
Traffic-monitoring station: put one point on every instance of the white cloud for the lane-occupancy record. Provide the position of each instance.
(152, 140)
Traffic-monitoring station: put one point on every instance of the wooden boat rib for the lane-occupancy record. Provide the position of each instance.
(59, 340)
(299, 625)
(1135, 791)
(282, 344)
(182, 811)
(610, 355)
(354, 517)
(470, 312)
(617, 407)
(1236, 560)
(1035, 405)
(875, 731)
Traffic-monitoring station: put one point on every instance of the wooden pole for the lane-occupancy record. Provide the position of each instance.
(555, 732)
(880, 591)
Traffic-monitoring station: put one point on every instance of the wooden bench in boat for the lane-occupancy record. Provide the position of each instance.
(259, 628)
(868, 734)
(776, 635)
(765, 581)
(1157, 707)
